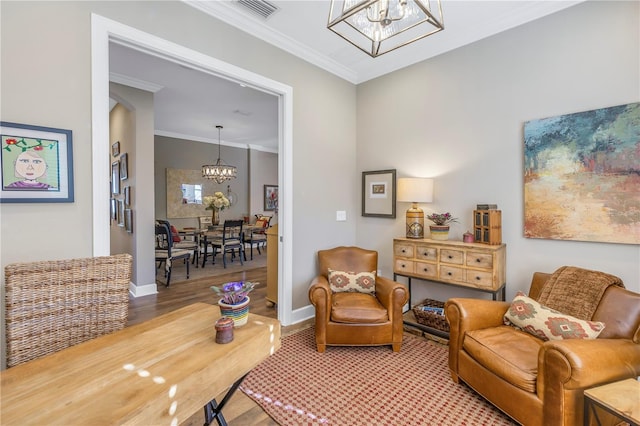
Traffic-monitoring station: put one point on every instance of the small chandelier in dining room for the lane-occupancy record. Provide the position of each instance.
(379, 26)
(220, 171)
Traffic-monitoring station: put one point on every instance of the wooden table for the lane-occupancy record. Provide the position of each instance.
(159, 372)
(621, 399)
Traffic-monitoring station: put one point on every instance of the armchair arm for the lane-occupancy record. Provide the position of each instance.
(567, 367)
(392, 295)
(469, 314)
(320, 297)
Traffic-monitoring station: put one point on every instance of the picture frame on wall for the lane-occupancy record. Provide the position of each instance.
(37, 164)
(114, 210)
(124, 166)
(127, 196)
(115, 149)
(128, 220)
(270, 198)
(121, 213)
(379, 193)
(115, 177)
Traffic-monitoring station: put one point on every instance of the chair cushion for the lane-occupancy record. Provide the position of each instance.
(175, 236)
(546, 323)
(507, 352)
(357, 308)
(361, 282)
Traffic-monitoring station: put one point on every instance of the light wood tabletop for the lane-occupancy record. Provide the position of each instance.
(620, 398)
(159, 372)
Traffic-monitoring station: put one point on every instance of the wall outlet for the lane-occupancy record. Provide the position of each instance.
(341, 216)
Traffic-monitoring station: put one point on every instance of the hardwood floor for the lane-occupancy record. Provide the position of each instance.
(240, 410)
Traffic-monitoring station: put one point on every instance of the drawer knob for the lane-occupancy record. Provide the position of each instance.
(478, 260)
(403, 250)
(449, 273)
(403, 265)
(425, 270)
(450, 257)
(426, 253)
(478, 278)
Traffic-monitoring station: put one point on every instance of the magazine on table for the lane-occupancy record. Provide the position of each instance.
(434, 309)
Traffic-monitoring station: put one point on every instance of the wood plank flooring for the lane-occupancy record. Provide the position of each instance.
(240, 410)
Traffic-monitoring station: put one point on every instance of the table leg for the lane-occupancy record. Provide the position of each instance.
(213, 410)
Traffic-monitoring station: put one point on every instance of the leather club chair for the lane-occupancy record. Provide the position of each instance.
(542, 382)
(352, 318)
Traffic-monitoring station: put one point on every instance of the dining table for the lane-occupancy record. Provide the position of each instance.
(159, 372)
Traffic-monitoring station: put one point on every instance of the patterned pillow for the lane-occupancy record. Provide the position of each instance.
(175, 236)
(361, 282)
(546, 323)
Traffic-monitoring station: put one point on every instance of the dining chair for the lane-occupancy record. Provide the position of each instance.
(165, 252)
(231, 239)
(51, 305)
(256, 237)
(188, 241)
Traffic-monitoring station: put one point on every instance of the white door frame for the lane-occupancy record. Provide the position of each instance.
(104, 31)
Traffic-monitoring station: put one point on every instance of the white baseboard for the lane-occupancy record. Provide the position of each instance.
(142, 290)
(302, 314)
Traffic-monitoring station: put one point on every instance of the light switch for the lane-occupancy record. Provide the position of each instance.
(341, 216)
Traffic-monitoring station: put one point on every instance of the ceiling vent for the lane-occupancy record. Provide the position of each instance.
(261, 8)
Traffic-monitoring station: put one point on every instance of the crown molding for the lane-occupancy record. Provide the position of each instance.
(176, 135)
(134, 82)
(229, 14)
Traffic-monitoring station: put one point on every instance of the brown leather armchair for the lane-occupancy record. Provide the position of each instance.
(542, 382)
(348, 319)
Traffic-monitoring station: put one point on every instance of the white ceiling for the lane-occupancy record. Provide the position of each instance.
(188, 103)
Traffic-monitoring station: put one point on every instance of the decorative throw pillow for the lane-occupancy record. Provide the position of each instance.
(174, 235)
(361, 282)
(546, 323)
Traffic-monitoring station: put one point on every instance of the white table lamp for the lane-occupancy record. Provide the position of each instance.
(415, 190)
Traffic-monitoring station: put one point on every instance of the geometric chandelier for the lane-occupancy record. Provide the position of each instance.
(220, 171)
(379, 26)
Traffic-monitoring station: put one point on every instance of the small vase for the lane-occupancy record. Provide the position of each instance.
(439, 232)
(238, 312)
(215, 217)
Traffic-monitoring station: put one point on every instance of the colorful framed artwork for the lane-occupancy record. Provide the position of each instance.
(582, 176)
(124, 167)
(379, 193)
(115, 177)
(270, 198)
(37, 164)
(115, 149)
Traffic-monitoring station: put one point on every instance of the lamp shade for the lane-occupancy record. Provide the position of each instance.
(415, 190)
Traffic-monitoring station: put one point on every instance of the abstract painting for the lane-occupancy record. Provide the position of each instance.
(582, 176)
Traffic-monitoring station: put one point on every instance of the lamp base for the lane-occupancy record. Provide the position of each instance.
(415, 222)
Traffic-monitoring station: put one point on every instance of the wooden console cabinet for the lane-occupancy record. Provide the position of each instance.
(476, 266)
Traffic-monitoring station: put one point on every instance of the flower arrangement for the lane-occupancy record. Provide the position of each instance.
(234, 292)
(441, 219)
(217, 201)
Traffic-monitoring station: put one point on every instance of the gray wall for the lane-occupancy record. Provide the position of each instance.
(190, 155)
(56, 92)
(459, 118)
(264, 171)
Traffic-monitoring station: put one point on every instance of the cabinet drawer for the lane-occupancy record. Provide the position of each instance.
(479, 260)
(402, 266)
(426, 253)
(426, 269)
(452, 256)
(449, 273)
(403, 250)
(480, 279)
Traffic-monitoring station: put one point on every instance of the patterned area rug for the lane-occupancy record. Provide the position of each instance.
(365, 386)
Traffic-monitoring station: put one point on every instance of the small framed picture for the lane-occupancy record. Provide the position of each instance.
(114, 209)
(379, 193)
(127, 196)
(270, 197)
(115, 177)
(120, 212)
(124, 166)
(128, 220)
(115, 149)
(37, 164)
